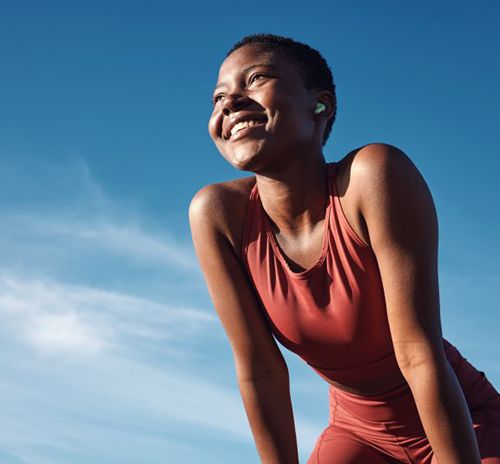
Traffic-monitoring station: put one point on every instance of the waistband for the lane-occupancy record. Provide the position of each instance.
(399, 404)
(378, 368)
(364, 372)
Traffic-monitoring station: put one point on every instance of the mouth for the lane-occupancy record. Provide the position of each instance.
(244, 126)
(239, 133)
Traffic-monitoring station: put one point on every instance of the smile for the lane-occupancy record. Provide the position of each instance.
(242, 128)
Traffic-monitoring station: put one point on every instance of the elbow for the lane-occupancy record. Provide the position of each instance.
(412, 366)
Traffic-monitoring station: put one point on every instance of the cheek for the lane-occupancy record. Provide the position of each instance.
(214, 121)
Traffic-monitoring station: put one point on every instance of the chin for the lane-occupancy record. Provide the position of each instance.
(247, 156)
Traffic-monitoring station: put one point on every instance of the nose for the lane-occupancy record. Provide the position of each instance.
(232, 103)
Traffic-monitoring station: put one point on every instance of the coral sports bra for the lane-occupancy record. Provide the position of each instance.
(332, 315)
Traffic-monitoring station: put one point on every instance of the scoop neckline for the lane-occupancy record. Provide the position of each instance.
(326, 235)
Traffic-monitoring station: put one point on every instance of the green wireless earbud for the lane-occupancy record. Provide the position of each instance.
(320, 107)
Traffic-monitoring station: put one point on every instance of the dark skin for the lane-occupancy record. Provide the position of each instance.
(387, 203)
(289, 183)
(293, 192)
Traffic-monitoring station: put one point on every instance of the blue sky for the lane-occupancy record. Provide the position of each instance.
(111, 349)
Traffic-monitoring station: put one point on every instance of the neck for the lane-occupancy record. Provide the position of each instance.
(295, 197)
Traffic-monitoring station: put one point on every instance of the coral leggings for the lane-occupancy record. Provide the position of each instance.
(386, 428)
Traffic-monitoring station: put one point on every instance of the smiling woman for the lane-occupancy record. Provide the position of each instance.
(337, 261)
(279, 86)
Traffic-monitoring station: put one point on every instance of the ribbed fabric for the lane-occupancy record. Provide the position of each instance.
(332, 315)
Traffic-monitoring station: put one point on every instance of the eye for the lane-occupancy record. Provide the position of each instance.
(255, 77)
(217, 98)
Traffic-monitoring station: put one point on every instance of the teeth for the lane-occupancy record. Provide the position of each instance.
(243, 124)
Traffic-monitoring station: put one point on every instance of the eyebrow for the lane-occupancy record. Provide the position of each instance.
(247, 70)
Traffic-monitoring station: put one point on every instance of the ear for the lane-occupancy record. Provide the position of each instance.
(325, 97)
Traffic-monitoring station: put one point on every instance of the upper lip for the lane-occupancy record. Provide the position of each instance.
(233, 120)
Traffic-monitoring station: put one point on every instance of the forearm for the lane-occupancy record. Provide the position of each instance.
(269, 410)
(444, 413)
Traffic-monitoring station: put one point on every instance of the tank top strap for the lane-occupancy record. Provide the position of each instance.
(338, 212)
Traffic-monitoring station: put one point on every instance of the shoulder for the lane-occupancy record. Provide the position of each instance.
(378, 169)
(375, 181)
(393, 196)
(381, 167)
(222, 207)
(375, 158)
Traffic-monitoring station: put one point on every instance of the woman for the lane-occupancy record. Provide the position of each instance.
(338, 261)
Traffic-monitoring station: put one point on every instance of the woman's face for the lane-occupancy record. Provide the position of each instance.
(262, 110)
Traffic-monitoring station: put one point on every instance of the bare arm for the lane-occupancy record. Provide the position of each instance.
(401, 219)
(261, 371)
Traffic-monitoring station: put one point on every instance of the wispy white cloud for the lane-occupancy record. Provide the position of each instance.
(118, 398)
(73, 319)
(119, 236)
(61, 207)
(63, 333)
(104, 370)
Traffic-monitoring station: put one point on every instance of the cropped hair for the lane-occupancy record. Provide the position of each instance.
(315, 70)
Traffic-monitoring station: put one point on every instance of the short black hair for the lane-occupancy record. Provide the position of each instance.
(316, 72)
